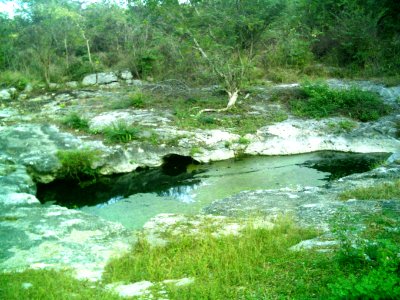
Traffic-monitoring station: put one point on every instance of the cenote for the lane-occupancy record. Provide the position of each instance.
(182, 185)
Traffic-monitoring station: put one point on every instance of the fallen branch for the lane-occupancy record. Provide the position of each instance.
(231, 103)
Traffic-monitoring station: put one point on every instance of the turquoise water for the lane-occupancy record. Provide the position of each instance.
(211, 182)
(134, 198)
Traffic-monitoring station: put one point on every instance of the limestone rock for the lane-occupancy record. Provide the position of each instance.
(136, 289)
(394, 158)
(71, 84)
(28, 88)
(7, 94)
(99, 78)
(53, 85)
(135, 82)
(126, 75)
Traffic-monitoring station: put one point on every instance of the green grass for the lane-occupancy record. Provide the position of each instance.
(14, 79)
(371, 244)
(48, 284)
(136, 100)
(320, 101)
(342, 126)
(243, 141)
(121, 132)
(238, 119)
(256, 265)
(75, 121)
(77, 164)
(377, 192)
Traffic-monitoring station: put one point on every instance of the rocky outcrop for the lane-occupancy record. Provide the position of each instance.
(34, 235)
(99, 78)
(302, 136)
(8, 94)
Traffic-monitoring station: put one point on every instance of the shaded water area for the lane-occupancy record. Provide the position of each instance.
(181, 186)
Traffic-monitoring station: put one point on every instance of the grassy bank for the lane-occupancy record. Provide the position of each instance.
(258, 264)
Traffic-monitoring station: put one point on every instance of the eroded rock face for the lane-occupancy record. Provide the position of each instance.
(37, 236)
(35, 147)
(301, 136)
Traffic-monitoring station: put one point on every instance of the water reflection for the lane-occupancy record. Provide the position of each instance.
(182, 193)
(205, 183)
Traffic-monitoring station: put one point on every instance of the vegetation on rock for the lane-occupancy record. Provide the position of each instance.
(121, 132)
(78, 164)
(75, 121)
(383, 191)
(320, 101)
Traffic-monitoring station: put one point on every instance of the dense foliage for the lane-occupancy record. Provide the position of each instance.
(199, 40)
(318, 100)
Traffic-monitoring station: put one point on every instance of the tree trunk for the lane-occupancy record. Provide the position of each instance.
(88, 51)
(66, 53)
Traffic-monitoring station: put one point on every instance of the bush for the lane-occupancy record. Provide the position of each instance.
(13, 79)
(77, 164)
(371, 244)
(73, 120)
(78, 69)
(320, 101)
(121, 132)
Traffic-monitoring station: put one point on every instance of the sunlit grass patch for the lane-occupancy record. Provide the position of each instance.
(381, 191)
(255, 265)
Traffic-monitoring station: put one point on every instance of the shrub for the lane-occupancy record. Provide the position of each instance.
(320, 101)
(13, 79)
(77, 164)
(377, 259)
(78, 69)
(121, 132)
(243, 141)
(73, 120)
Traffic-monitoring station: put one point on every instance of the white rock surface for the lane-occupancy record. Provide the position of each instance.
(71, 84)
(5, 95)
(136, 289)
(126, 75)
(99, 78)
